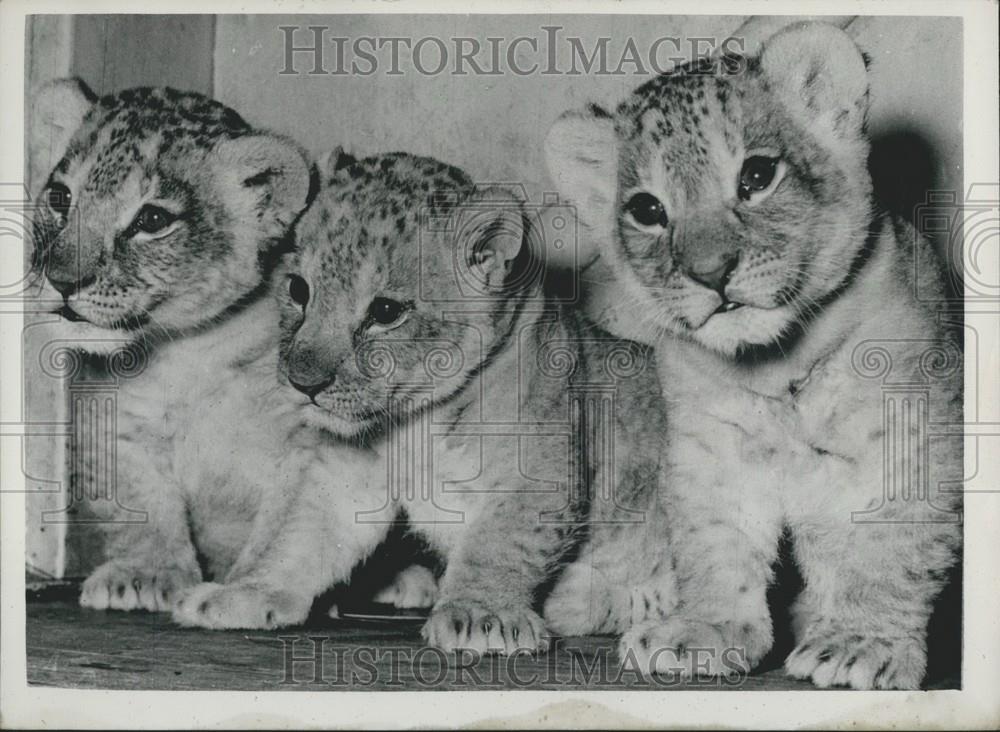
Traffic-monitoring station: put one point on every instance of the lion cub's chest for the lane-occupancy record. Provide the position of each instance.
(446, 486)
(797, 426)
(212, 426)
(187, 412)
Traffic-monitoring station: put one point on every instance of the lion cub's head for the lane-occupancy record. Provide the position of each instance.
(160, 210)
(405, 281)
(731, 197)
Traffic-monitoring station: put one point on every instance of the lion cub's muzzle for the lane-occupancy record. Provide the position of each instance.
(308, 386)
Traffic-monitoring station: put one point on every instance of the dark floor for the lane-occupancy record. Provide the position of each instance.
(369, 649)
(71, 647)
(68, 646)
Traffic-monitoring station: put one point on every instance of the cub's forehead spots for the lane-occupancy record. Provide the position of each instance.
(370, 216)
(402, 178)
(680, 129)
(141, 128)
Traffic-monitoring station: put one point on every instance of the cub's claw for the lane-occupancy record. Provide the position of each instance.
(840, 658)
(472, 625)
(119, 586)
(650, 603)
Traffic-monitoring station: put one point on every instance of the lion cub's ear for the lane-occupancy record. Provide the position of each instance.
(490, 234)
(819, 72)
(265, 178)
(58, 110)
(581, 151)
(333, 162)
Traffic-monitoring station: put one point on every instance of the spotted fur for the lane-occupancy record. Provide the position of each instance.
(232, 193)
(777, 417)
(482, 358)
(207, 446)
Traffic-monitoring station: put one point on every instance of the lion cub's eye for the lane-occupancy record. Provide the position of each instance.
(385, 311)
(646, 210)
(298, 290)
(59, 199)
(757, 175)
(152, 219)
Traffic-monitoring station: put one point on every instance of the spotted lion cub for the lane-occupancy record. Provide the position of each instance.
(160, 225)
(416, 326)
(737, 208)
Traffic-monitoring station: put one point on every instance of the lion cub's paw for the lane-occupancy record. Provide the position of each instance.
(414, 587)
(117, 585)
(473, 625)
(218, 606)
(686, 649)
(842, 658)
(650, 603)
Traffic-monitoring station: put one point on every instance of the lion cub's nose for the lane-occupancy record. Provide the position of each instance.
(310, 390)
(714, 272)
(67, 287)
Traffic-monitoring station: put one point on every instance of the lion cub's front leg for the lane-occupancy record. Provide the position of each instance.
(277, 579)
(148, 564)
(725, 537)
(487, 592)
(305, 539)
(862, 617)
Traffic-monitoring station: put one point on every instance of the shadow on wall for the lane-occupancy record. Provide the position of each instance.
(902, 165)
(905, 169)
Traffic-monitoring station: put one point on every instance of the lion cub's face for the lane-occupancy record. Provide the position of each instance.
(160, 207)
(399, 290)
(734, 199)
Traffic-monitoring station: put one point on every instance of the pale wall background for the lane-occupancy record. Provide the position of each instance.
(493, 126)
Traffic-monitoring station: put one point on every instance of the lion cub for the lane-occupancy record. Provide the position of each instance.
(513, 435)
(737, 209)
(160, 227)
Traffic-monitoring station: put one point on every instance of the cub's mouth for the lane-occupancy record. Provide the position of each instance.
(345, 413)
(349, 415)
(727, 307)
(129, 323)
(344, 422)
(708, 317)
(71, 315)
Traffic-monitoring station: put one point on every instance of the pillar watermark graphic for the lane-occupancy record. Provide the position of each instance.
(922, 382)
(909, 426)
(88, 390)
(93, 420)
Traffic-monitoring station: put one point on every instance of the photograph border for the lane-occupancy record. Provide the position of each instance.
(975, 706)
